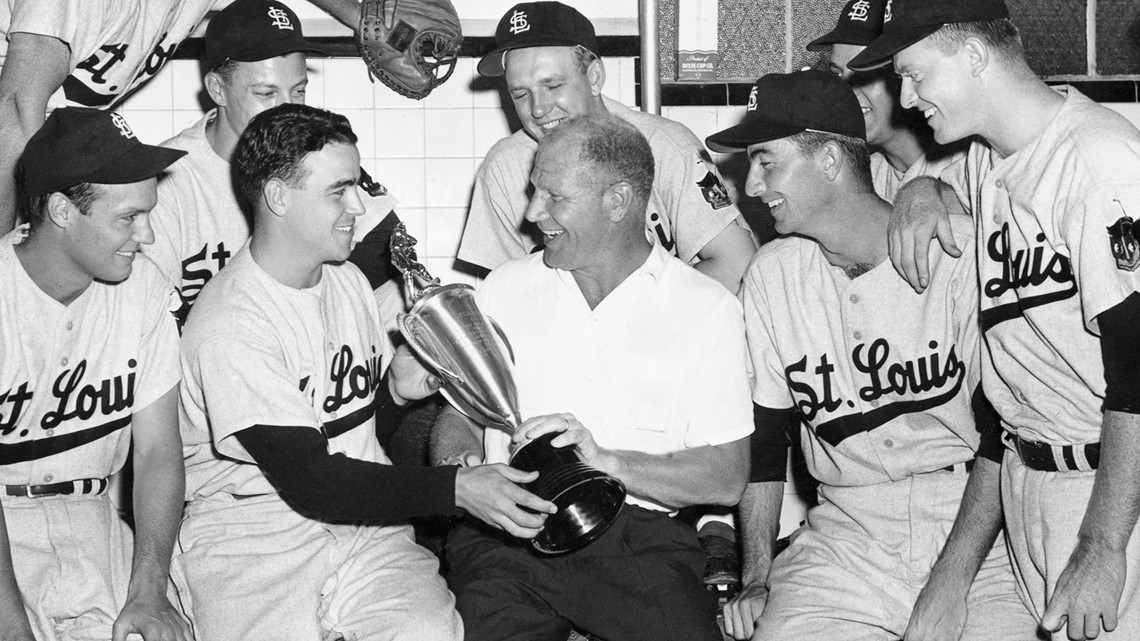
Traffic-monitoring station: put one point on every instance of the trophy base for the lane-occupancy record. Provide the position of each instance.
(588, 500)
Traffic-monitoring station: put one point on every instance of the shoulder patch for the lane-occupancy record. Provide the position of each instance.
(712, 188)
(1124, 243)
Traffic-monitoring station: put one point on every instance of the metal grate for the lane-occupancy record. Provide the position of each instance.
(751, 38)
(1053, 32)
(1117, 37)
(812, 19)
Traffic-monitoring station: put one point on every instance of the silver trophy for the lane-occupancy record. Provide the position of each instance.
(473, 357)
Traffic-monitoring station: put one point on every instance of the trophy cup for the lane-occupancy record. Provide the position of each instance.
(474, 359)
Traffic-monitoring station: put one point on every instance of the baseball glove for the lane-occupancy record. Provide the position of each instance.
(410, 45)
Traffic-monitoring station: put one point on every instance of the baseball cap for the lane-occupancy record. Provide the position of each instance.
(252, 30)
(860, 22)
(538, 24)
(79, 144)
(785, 104)
(908, 21)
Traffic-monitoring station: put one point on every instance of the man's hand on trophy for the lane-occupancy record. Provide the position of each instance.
(573, 434)
(490, 493)
(408, 379)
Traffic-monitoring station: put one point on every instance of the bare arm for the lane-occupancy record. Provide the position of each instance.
(1089, 588)
(14, 624)
(921, 212)
(940, 612)
(706, 475)
(759, 515)
(346, 12)
(34, 69)
(726, 256)
(487, 492)
(159, 491)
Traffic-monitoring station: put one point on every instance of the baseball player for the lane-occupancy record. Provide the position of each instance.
(901, 142)
(255, 54)
(293, 526)
(1053, 189)
(879, 386)
(91, 54)
(89, 370)
(640, 361)
(547, 52)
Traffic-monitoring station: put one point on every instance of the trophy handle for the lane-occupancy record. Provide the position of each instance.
(503, 336)
(402, 322)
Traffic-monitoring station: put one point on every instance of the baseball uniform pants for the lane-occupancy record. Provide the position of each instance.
(856, 569)
(1043, 512)
(254, 569)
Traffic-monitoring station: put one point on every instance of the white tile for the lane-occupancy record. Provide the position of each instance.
(415, 219)
(364, 126)
(489, 93)
(151, 127)
(444, 270)
(444, 228)
(155, 94)
(346, 85)
(456, 91)
(400, 133)
(491, 125)
(315, 90)
(702, 121)
(405, 179)
(187, 91)
(729, 116)
(448, 133)
(448, 181)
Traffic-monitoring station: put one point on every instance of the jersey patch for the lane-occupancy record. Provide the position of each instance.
(711, 186)
(1124, 244)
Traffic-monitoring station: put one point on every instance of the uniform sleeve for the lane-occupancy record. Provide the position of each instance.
(689, 187)
(769, 385)
(245, 381)
(1104, 245)
(493, 233)
(165, 250)
(963, 293)
(159, 367)
(76, 23)
(717, 403)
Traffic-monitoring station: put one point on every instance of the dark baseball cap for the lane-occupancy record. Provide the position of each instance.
(785, 104)
(252, 30)
(538, 24)
(860, 22)
(909, 21)
(78, 144)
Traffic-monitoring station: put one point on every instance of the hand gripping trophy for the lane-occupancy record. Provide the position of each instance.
(473, 357)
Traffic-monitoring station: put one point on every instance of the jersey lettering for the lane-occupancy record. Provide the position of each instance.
(352, 381)
(1022, 270)
(16, 398)
(197, 270)
(79, 401)
(663, 238)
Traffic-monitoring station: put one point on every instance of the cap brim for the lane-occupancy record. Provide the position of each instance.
(491, 65)
(754, 131)
(833, 38)
(882, 50)
(270, 52)
(136, 164)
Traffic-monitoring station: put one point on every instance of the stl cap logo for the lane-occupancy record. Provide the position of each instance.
(887, 12)
(121, 123)
(859, 11)
(1124, 240)
(280, 18)
(519, 23)
(752, 100)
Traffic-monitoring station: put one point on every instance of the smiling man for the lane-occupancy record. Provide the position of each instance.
(296, 526)
(879, 383)
(1054, 190)
(88, 370)
(548, 53)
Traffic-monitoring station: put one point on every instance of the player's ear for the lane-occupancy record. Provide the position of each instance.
(829, 159)
(215, 88)
(978, 55)
(618, 201)
(60, 210)
(596, 76)
(276, 195)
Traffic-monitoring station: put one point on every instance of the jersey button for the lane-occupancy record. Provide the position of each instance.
(63, 361)
(854, 298)
(332, 414)
(999, 183)
(49, 478)
(858, 336)
(888, 443)
(70, 325)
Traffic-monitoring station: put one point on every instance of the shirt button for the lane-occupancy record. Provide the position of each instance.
(63, 361)
(999, 183)
(49, 478)
(874, 403)
(889, 443)
(332, 414)
(854, 298)
(70, 325)
(858, 336)
(331, 347)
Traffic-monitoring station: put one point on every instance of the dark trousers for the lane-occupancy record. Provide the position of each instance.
(640, 581)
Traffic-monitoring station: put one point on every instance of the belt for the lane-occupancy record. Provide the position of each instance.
(1057, 458)
(79, 486)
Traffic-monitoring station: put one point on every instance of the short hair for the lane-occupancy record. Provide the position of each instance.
(276, 142)
(583, 57)
(854, 151)
(614, 149)
(33, 209)
(999, 34)
(225, 69)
